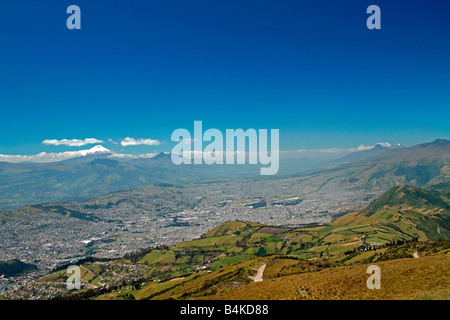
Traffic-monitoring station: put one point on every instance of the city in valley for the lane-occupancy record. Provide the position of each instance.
(58, 234)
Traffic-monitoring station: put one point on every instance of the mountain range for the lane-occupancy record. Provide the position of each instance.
(98, 172)
(426, 164)
(365, 154)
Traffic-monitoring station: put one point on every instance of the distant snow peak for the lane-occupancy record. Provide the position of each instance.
(382, 144)
(397, 146)
(97, 149)
(378, 145)
(389, 146)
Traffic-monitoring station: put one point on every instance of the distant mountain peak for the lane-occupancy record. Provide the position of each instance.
(440, 142)
(97, 149)
(162, 155)
(376, 149)
(436, 144)
(382, 145)
(87, 155)
(397, 146)
(387, 145)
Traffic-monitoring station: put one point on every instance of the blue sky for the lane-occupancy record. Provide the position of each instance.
(142, 69)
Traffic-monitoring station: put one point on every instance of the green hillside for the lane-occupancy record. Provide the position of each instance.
(409, 210)
(229, 228)
(12, 268)
(411, 198)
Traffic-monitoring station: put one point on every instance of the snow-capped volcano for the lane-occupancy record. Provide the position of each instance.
(382, 144)
(365, 152)
(397, 146)
(388, 145)
(95, 150)
(83, 156)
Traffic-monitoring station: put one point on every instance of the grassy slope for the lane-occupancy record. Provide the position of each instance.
(423, 278)
(290, 278)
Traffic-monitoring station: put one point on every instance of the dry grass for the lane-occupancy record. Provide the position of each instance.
(424, 278)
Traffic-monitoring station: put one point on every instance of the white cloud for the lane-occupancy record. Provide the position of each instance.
(137, 142)
(45, 157)
(71, 142)
(363, 147)
(133, 156)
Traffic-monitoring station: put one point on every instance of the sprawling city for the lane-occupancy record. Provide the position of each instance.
(111, 226)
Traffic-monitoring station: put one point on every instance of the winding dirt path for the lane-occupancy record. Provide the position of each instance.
(259, 275)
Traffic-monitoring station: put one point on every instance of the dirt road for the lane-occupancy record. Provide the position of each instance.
(259, 275)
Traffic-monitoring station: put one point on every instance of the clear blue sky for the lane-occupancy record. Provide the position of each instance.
(144, 68)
